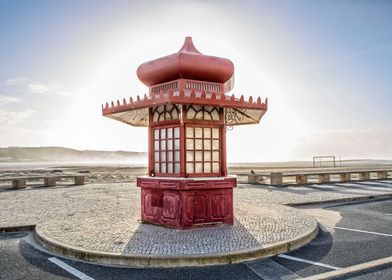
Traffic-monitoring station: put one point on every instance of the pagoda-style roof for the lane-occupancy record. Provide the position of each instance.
(238, 111)
(187, 78)
(187, 63)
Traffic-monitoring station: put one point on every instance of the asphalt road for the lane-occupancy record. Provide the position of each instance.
(364, 233)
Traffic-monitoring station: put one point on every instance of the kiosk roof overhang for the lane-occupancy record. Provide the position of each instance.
(237, 110)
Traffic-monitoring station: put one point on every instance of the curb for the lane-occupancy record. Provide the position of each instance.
(17, 228)
(119, 259)
(347, 199)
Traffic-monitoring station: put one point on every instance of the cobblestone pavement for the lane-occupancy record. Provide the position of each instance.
(106, 217)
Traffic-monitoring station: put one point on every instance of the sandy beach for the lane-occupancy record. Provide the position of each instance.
(110, 173)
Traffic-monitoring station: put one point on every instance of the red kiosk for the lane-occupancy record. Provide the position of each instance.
(187, 112)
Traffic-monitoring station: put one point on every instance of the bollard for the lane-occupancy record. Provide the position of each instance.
(382, 175)
(345, 177)
(50, 181)
(301, 179)
(79, 180)
(324, 178)
(277, 179)
(18, 183)
(364, 176)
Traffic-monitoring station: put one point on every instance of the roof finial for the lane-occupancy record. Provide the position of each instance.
(188, 46)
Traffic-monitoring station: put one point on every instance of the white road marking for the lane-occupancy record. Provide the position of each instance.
(268, 269)
(70, 269)
(388, 214)
(307, 261)
(364, 231)
(351, 269)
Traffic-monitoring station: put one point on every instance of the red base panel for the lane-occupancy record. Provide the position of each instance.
(186, 202)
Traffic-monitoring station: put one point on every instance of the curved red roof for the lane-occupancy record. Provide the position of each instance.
(187, 63)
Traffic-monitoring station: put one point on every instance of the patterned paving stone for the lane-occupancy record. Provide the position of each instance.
(106, 217)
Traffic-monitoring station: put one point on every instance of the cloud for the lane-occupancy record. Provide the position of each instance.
(4, 99)
(39, 88)
(10, 118)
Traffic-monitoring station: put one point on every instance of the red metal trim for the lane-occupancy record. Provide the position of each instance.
(150, 146)
(165, 123)
(182, 147)
(185, 97)
(223, 152)
(183, 84)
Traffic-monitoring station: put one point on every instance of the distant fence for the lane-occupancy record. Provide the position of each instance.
(320, 161)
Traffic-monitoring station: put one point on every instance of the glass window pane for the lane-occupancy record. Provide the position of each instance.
(176, 132)
(163, 144)
(207, 144)
(207, 132)
(156, 156)
(174, 114)
(207, 156)
(177, 156)
(156, 134)
(189, 156)
(189, 132)
(163, 133)
(169, 107)
(199, 115)
(156, 167)
(170, 156)
(215, 133)
(215, 156)
(207, 167)
(197, 107)
(199, 167)
(170, 145)
(198, 132)
(215, 115)
(177, 144)
(156, 146)
(190, 113)
(215, 167)
(169, 168)
(207, 116)
(189, 144)
(170, 133)
(163, 156)
(160, 109)
(199, 144)
(155, 116)
(167, 116)
(215, 144)
(190, 168)
(177, 168)
(163, 167)
(198, 155)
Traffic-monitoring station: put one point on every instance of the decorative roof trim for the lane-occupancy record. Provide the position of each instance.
(185, 97)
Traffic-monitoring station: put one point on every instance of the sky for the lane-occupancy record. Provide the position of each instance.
(325, 67)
